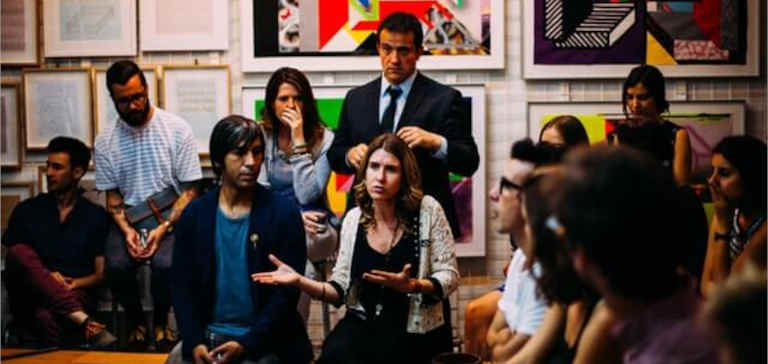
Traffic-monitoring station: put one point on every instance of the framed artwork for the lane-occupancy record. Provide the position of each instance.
(86, 28)
(570, 39)
(198, 94)
(11, 194)
(183, 25)
(104, 110)
(19, 42)
(57, 102)
(468, 193)
(330, 35)
(11, 125)
(707, 122)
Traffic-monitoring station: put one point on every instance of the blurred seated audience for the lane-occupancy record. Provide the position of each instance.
(616, 214)
(736, 313)
(737, 233)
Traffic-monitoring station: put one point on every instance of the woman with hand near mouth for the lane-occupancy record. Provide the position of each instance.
(396, 266)
(296, 142)
(644, 100)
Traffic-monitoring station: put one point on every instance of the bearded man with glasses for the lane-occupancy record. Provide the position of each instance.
(147, 163)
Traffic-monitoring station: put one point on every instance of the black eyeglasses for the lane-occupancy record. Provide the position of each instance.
(504, 183)
(123, 102)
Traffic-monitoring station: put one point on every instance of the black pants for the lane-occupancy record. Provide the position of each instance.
(121, 272)
(355, 340)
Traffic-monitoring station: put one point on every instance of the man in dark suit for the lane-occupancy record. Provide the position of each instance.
(228, 234)
(427, 115)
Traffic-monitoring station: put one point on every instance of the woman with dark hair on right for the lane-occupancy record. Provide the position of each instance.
(396, 266)
(737, 233)
(644, 100)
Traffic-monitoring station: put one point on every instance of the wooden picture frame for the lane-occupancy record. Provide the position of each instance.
(614, 60)
(20, 40)
(57, 102)
(104, 110)
(184, 25)
(12, 193)
(707, 122)
(355, 27)
(83, 28)
(469, 193)
(12, 125)
(198, 94)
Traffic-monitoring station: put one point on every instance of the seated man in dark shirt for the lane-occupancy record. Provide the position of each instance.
(227, 235)
(55, 254)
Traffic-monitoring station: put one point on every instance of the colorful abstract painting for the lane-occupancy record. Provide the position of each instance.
(706, 123)
(318, 31)
(623, 32)
(468, 192)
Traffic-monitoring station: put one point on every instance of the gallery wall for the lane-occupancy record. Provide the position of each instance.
(507, 95)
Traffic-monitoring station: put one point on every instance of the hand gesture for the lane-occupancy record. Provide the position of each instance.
(293, 119)
(400, 282)
(314, 222)
(153, 242)
(283, 275)
(723, 211)
(133, 244)
(418, 137)
(228, 352)
(200, 355)
(356, 154)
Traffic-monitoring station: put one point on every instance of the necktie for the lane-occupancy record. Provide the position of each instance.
(388, 120)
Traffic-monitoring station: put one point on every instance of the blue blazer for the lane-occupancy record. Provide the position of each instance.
(275, 228)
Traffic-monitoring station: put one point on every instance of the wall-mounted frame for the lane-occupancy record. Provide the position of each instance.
(86, 28)
(198, 94)
(707, 122)
(104, 111)
(11, 126)
(57, 102)
(20, 41)
(459, 35)
(469, 193)
(183, 25)
(559, 42)
(11, 194)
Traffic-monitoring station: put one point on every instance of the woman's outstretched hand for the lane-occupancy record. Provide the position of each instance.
(283, 275)
(400, 281)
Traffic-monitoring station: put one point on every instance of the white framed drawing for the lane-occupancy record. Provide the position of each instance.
(198, 94)
(707, 122)
(11, 194)
(469, 193)
(19, 43)
(11, 126)
(57, 102)
(87, 28)
(687, 38)
(104, 110)
(183, 25)
(314, 36)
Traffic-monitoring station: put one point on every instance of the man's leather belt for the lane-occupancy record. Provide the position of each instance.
(153, 206)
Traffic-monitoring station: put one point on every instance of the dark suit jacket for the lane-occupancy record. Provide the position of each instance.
(431, 106)
(276, 327)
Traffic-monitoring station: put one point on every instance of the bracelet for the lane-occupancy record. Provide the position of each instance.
(724, 237)
(168, 225)
(302, 145)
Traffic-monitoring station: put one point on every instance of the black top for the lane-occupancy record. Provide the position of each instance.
(392, 306)
(564, 354)
(69, 247)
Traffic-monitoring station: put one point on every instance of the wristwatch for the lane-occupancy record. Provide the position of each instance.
(168, 226)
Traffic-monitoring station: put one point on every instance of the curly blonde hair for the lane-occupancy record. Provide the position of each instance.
(408, 199)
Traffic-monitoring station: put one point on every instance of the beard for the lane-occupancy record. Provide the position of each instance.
(135, 118)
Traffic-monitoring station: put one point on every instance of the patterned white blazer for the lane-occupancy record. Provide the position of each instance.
(437, 260)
